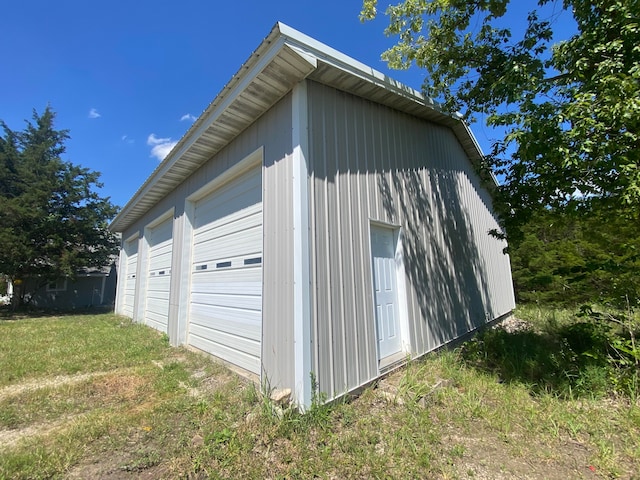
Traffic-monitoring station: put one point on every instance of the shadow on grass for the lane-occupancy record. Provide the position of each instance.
(7, 312)
(570, 361)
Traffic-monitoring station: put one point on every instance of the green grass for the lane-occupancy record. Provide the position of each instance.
(34, 348)
(116, 401)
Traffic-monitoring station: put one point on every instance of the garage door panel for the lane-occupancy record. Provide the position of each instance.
(157, 318)
(161, 234)
(226, 273)
(236, 278)
(244, 189)
(158, 284)
(131, 251)
(202, 285)
(161, 259)
(159, 301)
(240, 344)
(227, 320)
(233, 301)
(237, 357)
(248, 219)
(229, 201)
(156, 325)
(234, 245)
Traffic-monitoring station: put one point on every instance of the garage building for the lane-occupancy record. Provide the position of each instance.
(318, 219)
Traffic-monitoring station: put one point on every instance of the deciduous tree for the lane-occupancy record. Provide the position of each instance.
(570, 109)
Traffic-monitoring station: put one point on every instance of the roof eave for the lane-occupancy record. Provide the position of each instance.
(186, 156)
(284, 58)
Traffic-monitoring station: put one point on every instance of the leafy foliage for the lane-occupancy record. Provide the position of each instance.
(570, 109)
(576, 257)
(52, 220)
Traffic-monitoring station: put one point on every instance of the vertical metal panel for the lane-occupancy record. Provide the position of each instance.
(176, 337)
(278, 284)
(335, 140)
(372, 163)
(301, 266)
(320, 129)
(121, 269)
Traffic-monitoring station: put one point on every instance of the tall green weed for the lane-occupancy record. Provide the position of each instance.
(583, 356)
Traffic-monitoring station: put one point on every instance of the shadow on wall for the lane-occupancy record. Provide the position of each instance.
(442, 256)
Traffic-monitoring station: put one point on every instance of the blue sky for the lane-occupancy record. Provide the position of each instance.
(128, 78)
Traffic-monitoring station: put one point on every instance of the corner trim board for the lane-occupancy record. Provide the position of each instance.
(301, 273)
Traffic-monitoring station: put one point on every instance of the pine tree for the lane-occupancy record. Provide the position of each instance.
(53, 221)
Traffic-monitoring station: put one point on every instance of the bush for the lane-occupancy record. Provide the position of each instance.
(586, 357)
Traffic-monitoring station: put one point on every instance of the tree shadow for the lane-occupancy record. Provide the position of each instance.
(7, 313)
(370, 164)
(447, 249)
(567, 361)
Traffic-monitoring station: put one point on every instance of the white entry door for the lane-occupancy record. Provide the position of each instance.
(383, 248)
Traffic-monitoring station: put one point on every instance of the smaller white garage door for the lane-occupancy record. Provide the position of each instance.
(130, 274)
(226, 281)
(159, 275)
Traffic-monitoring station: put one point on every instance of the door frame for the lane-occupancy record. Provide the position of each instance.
(401, 296)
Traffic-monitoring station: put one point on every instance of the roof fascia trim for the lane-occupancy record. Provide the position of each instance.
(272, 45)
(343, 62)
(228, 94)
(339, 60)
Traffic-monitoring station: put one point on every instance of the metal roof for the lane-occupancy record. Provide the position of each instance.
(284, 58)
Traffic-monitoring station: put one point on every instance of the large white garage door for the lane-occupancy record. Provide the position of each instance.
(159, 275)
(226, 284)
(131, 270)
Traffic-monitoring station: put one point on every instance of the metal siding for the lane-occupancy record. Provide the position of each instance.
(321, 131)
(334, 197)
(351, 248)
(83, 292)
(176, 337)
(278, 289)
(369, 162)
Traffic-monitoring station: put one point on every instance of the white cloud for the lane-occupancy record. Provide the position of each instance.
(187, 116)
(126, 139)
(93, 113)
(160, 147)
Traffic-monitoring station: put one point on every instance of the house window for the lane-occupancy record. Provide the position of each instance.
(59, 285)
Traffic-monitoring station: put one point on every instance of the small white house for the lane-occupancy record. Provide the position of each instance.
(318, 219)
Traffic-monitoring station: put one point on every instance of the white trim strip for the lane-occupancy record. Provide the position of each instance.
(301, 270)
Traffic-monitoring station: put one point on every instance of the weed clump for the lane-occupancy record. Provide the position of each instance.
(586, 354)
